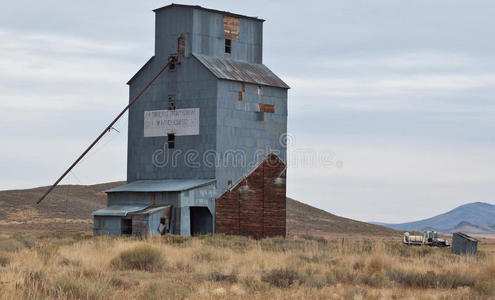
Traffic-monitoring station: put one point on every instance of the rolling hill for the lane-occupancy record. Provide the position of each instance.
(472, 218)
(69, 207)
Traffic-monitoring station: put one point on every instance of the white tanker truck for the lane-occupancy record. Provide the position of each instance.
(429, 238)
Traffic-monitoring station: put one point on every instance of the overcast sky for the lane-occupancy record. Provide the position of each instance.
(400, 92)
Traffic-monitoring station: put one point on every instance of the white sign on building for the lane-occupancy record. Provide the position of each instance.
(179, 121)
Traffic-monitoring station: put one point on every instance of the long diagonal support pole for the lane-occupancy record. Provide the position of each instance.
(104, 131)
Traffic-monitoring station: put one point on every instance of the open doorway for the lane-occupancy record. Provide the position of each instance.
(201, 220)
(126, 226)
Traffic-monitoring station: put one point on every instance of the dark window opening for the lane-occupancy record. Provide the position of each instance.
(228, 46)
(171, 140)
(171, 102)
(172, 61)
(126, 226)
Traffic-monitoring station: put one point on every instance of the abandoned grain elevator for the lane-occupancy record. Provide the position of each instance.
(205, 141)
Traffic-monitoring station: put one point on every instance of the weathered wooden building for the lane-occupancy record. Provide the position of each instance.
(464, 244)
(205, 141)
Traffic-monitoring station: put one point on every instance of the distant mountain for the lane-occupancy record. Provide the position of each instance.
(473, 218)
(70, 207)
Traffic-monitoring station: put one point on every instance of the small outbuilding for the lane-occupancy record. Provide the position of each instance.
(464, 244)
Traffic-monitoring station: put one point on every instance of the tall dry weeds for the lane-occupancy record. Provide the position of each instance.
(214, 267)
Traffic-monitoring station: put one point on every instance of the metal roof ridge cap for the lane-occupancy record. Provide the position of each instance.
(228, 13)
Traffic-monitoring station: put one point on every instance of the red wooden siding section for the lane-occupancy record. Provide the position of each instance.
(255, 206)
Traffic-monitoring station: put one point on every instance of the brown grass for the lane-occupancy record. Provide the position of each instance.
(142, 257)
(77, 266)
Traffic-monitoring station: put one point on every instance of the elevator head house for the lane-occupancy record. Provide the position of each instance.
(205, 141)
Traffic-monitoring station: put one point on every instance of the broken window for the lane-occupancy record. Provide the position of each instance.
(230, 31)
(171, 102)
(228, 46)
(172, 60)
(171, 140)
(181, 45)
(231, 28)
(259, 90)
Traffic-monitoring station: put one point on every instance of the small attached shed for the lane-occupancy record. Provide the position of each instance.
(115, 219)
(155, 207)
(464, 244)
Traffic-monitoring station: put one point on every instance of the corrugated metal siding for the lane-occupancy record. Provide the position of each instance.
(464, 244)
(235, 70)
(194, 87)
(239, 130)
(107, 225)
(256, 206)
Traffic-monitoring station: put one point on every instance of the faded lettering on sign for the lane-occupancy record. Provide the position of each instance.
(179, 122)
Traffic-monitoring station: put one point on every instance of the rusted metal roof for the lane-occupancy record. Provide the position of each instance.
(229, 69)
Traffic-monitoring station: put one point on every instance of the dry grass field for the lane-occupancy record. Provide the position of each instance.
(79, 266)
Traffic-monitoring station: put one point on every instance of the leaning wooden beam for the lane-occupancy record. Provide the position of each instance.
(105, 130)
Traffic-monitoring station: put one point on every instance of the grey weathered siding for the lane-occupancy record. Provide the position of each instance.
(106, 225)
(169, 24)
(239, 131)
(208, 37)
(205, 34)
(194, 87)
(136, 198)
(464, 244)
